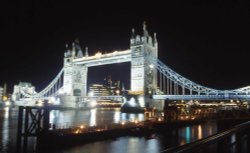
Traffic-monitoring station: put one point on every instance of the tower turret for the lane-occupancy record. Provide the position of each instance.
(73, 51)
(145, 32)
(67, 52)
(78, 49)
(132, 39)
(155, 40)
(86, 51)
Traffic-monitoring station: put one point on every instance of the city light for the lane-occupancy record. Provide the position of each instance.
(5, 98)
(7, 103)
(82, 126)
(98, 55)
(114, 53)
(117, 92)
(91, 93)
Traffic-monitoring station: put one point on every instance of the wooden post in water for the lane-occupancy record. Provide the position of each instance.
(46, 117)
(36, 122)
(19, 129)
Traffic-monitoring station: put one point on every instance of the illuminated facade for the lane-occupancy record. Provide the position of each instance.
(23, 89)
(1, 93)
(144, 51)
(98, 90)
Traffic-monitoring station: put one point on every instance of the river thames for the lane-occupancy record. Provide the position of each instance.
(129, 144)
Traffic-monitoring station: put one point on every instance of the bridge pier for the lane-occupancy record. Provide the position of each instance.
(68, 101)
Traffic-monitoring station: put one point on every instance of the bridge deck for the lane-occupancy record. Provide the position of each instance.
(103, 59)
(201, 97)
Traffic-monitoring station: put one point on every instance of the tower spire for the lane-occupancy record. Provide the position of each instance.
(86, 51)
(67, 52)
(78, 48)
(133, 33)
(145, 32)
(155, 39)
(73, 53)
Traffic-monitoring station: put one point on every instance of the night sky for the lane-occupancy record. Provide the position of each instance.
(206, 42)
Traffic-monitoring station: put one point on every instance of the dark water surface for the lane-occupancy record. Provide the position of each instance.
(67, 118)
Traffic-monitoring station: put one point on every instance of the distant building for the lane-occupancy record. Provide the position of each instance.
(113, 88)
(1, 93)
(22, 88)
(107, 88)
(5, 89)
(98, 90)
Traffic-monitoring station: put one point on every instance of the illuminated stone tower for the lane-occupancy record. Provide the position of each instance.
(75, 76)
(144, 52)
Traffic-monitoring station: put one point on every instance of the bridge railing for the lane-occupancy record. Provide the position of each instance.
(231, 140)
(172, 83)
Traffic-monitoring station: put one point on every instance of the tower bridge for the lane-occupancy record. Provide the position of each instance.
(149, 76)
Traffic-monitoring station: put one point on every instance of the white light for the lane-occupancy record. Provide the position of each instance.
(132, 102)
(151, 66)
(141, 101)
(117, 92)
(98, 55)
(7, 103)
(114, 53)
(91, 93)
(92, 119)
(61, 91)
(52, 100)
(93, 103)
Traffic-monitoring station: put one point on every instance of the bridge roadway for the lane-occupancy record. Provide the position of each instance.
(100, 97)
(201, 97)
(103, 59)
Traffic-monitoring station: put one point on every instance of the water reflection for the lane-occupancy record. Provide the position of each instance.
(200, 132)
(120, 145)
(5, 128)
(152, 145)
(188, 131)
(92, 118)
(192, 133)
(64, 118)
(117, 117)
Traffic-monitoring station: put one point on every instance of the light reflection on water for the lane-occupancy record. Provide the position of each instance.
(199, 132)
(66, 118)
(188, 133)
(5, 128)
(119, 145)
(191, 133)
(93, 117)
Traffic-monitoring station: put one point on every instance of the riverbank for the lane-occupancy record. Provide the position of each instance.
(65, 138)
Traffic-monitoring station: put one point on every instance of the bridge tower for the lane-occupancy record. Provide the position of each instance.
(144, 53)
(75, 76)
